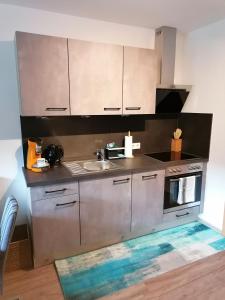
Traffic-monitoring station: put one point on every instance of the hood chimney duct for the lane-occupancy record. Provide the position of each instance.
(165, 45)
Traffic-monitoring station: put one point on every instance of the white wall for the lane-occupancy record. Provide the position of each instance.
(205, 69)
(13, 18)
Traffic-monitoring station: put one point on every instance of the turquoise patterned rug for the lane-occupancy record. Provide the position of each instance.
(95, 274)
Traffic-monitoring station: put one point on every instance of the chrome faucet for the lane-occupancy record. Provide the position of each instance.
(100, 153)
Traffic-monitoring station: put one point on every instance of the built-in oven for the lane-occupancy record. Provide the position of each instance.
(183, 186)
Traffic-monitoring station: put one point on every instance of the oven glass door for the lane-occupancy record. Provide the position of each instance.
(182, 191)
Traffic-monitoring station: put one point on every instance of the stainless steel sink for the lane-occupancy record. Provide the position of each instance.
(89, 166)
(98, 165)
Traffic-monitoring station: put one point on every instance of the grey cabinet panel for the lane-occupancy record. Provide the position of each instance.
(139, 82)
(105, 210)
(177, 217)
(56, 228)
(52, 191)
(95, 78)
(147, 200)
(43, 74)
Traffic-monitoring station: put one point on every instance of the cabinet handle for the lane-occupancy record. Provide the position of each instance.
(133, 108)
(111, 108)
(67, 203)
(56, 191)
(121, 181)
(148, 177)
(177, 179)
(186, 214)
(56, 108)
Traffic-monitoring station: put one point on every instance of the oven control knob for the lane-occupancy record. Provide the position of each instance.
(190, 168)
(178, 170)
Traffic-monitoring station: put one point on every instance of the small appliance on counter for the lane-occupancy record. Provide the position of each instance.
(35, 162)
(113, 151)
(53, 154)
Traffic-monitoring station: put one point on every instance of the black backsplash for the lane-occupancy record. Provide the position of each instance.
(83, 135)
(197, 133)
(76, 125)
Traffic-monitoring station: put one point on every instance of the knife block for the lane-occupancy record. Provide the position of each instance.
(176, 145)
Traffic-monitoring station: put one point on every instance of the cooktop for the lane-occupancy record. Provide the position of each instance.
(170, 156)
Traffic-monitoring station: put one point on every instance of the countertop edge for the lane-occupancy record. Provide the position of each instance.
(60, 174)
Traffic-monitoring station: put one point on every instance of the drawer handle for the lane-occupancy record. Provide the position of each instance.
(133, 108)
(111, 108)
(67, 203)
(121, 181)
(56, 108)
(148, 177)
(56, 191)
(186, 214)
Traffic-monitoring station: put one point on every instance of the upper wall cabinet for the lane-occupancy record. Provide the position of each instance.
(139, 82)
(71, 77)
(96, 72)
(43, 74)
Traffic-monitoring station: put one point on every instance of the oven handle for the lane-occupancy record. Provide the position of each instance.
(177, 179)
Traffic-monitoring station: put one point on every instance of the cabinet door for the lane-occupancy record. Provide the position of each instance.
(95, 78)
(56, 228)
(43, 74)
(147, 201)
(105, 210)
(139, 83)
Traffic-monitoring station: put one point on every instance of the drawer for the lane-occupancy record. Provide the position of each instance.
(181, 215)
(52, 191)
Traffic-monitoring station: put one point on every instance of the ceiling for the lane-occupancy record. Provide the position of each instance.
(186, 15)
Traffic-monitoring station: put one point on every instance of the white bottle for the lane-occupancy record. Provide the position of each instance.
(128, 145)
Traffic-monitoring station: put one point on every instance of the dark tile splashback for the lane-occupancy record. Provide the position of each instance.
(197, 133)
(81, 136)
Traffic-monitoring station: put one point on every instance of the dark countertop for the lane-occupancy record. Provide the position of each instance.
(137, 164)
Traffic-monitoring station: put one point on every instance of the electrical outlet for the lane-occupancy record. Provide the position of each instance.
(136, 146)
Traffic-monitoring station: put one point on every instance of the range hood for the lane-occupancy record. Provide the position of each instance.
(170, 98)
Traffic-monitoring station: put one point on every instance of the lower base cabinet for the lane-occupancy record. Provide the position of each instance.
(56, 228)
(105, 210)
(180, 216)
(147, 201)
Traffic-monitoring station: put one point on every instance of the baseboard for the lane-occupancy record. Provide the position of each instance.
(202, 220)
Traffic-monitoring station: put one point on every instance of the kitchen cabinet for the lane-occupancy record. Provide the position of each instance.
(95, 71)
(55, 225)
(59, 76)
(139, 81)
(182, 216)
(147, 201)
(105, 210)
(43, 74)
